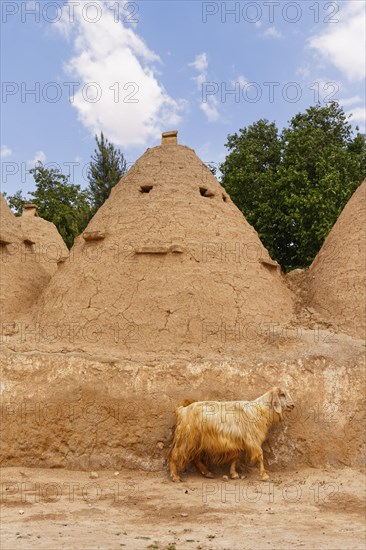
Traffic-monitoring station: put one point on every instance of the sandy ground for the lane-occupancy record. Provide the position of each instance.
(132, 510)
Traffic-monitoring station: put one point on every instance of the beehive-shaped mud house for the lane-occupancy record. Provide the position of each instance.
(337, 277)
(30, 249)
(168, 263)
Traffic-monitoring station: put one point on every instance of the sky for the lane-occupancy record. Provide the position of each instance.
(133, 70)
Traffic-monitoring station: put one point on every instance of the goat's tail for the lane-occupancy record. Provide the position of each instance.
(184, 403)
(182, 448)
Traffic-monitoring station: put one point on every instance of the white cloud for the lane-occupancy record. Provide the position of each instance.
(209, 108)
(350, 100)
(358, 117)
(272, 32)
(358, 114)
(343, 43)
(38, 157)
(241, 79)
(132, 106)
(258, 24)
(5, 151)
(200, 64)
(209, 102)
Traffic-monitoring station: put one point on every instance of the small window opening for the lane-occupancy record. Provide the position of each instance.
(145, 188)
(224, 198)
(29, 245)
(206, 192)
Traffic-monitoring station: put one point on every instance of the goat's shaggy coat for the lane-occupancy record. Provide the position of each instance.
(221, 430)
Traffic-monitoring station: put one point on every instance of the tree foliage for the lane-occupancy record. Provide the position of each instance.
(107, 167)
(58, 201)
(292, 186)
(61, 202)
(16, 202)
(67, 205)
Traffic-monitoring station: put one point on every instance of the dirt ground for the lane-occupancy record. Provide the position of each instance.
(62, 509)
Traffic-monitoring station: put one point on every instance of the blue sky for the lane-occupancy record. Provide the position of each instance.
(135, 69)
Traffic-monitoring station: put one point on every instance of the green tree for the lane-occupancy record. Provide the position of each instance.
(58, 201)
(248, 170)
(292, 187)
(16, 202)
(107, 167)
(61, 202)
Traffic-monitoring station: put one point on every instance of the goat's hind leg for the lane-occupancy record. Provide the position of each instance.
(233, 473)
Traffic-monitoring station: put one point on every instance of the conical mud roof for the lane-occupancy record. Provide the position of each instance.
(337, 277)
(9, 230)
(30, 249)
(167, 264)
(49, 247)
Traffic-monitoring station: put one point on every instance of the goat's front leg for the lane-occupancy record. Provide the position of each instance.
(202, 468)
(263, 472)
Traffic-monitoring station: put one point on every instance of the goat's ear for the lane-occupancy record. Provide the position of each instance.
(276, 403)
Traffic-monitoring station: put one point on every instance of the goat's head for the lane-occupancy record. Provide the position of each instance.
(281, 401)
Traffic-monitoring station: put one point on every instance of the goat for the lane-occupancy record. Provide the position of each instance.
(221, 430)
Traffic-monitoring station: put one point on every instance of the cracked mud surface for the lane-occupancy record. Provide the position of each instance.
(70, 412)
(171, 270)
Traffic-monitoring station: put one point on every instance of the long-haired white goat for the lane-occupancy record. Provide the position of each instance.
(220, 430)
